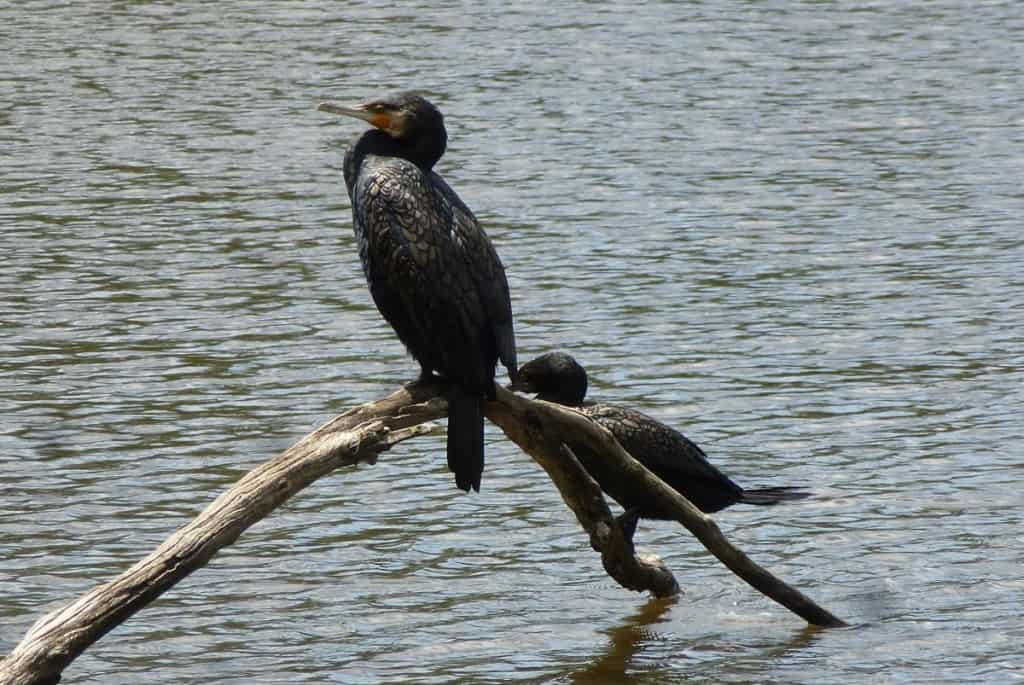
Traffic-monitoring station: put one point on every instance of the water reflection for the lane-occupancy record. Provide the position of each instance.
(625, 641)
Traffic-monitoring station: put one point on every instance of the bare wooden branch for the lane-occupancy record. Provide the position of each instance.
(525, 423)
(551, 422)
(360, 435)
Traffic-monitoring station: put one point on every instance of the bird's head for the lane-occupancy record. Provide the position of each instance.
(400, 115)
(555, 377)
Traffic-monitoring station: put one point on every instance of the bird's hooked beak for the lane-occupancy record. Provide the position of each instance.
(380, 120)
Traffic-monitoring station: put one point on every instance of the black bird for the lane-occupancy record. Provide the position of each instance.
(432, 270)
(557, 377)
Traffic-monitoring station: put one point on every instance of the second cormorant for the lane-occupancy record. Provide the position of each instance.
(432, 271)
(670, 455)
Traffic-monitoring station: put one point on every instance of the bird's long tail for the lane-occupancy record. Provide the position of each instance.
(768, 496)
(465, 438)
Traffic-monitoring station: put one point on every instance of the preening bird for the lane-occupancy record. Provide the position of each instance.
(670, 455)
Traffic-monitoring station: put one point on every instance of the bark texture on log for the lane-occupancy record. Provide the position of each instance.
(360, 435)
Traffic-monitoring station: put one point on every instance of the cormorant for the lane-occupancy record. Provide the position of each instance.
(557, 377)
(433, 273)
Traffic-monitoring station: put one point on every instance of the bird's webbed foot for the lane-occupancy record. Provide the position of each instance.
(627, 521)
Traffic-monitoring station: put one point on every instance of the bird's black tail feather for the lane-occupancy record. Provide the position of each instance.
(465, 438)
(767, 496)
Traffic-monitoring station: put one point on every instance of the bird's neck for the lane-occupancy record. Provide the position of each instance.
(422, 150)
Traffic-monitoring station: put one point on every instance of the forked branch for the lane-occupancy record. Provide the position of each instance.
(360, 435)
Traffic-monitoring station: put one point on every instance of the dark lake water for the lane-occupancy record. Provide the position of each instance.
(792, 230)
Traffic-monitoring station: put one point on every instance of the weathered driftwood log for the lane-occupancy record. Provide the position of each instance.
(360, 435)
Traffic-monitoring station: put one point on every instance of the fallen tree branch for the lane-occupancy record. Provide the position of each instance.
(546, 422)
(360, 435)
(526, 423)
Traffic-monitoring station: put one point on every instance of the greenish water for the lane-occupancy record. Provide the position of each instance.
(790, 229)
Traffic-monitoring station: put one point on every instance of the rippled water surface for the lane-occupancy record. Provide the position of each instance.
(792, 230)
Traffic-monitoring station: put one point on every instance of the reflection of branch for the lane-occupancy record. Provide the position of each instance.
(360, 435)
(624, 642)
